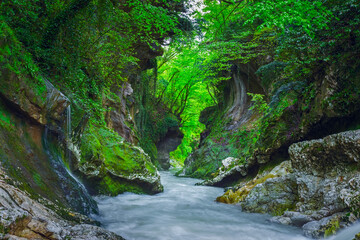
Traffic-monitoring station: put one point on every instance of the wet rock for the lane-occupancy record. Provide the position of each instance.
(297, 218)
(35, 98)
(120, 116)
(56, 102)
(325, 227)
(357, 236)
(325, 172)
(24, 218)
(90, 232)
(266, 191)
(227, 173)
(323, 186)
(281, 220)
(275, 196)
(29, 101)
(32, 159)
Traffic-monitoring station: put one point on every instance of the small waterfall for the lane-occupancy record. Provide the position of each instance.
(75, 192)
(69, 153)
(68, 134)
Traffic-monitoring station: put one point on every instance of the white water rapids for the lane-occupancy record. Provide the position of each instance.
(184, 211)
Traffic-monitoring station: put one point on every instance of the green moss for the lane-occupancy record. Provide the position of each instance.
(3, 229)
(332, 227)
(38, 180)
(114, 186)
(240, 194)
(17, 61)
(25, 161)
(116, 160)
(280, 209)
(217, 146)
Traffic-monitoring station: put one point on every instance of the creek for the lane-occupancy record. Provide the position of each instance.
(185, 211)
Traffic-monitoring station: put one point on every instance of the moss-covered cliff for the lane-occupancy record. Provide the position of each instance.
(67, 105)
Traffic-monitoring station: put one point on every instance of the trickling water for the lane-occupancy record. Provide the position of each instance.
(75, 192)
(184, 211)
(68, 133)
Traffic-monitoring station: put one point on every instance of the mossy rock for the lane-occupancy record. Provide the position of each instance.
(110, 166)
(240, 194)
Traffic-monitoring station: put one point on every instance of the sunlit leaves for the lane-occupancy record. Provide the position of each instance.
(184, 88)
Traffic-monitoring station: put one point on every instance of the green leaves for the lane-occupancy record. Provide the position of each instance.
(184, 88)
(283, 13)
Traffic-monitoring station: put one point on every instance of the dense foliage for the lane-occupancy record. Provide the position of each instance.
(89, 49)
(183, 88)
(88, 46)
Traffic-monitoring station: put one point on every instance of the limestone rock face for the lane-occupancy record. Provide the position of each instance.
(331, 154)
(31, 157)
(120, 117)
(23, 218)
(56, 103)
(270, 191)
(232, 114)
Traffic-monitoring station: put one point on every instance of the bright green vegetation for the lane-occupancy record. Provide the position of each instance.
(294, 45)
(106, 157)
(182, 87)
(86, 46)
(332, 227)
(132, 70)
(89, 50)
(17, 64)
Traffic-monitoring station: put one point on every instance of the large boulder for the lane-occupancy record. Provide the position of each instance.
(110, 166)
(271, 191)
(332, 154)
(228, 173)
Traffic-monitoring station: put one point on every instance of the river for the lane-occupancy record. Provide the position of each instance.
(185, 211)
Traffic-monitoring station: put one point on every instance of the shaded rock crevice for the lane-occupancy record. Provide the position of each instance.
(167, 144)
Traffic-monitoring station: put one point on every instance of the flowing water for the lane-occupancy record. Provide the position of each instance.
(348, 233)
(68, 133)
(185, 211)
